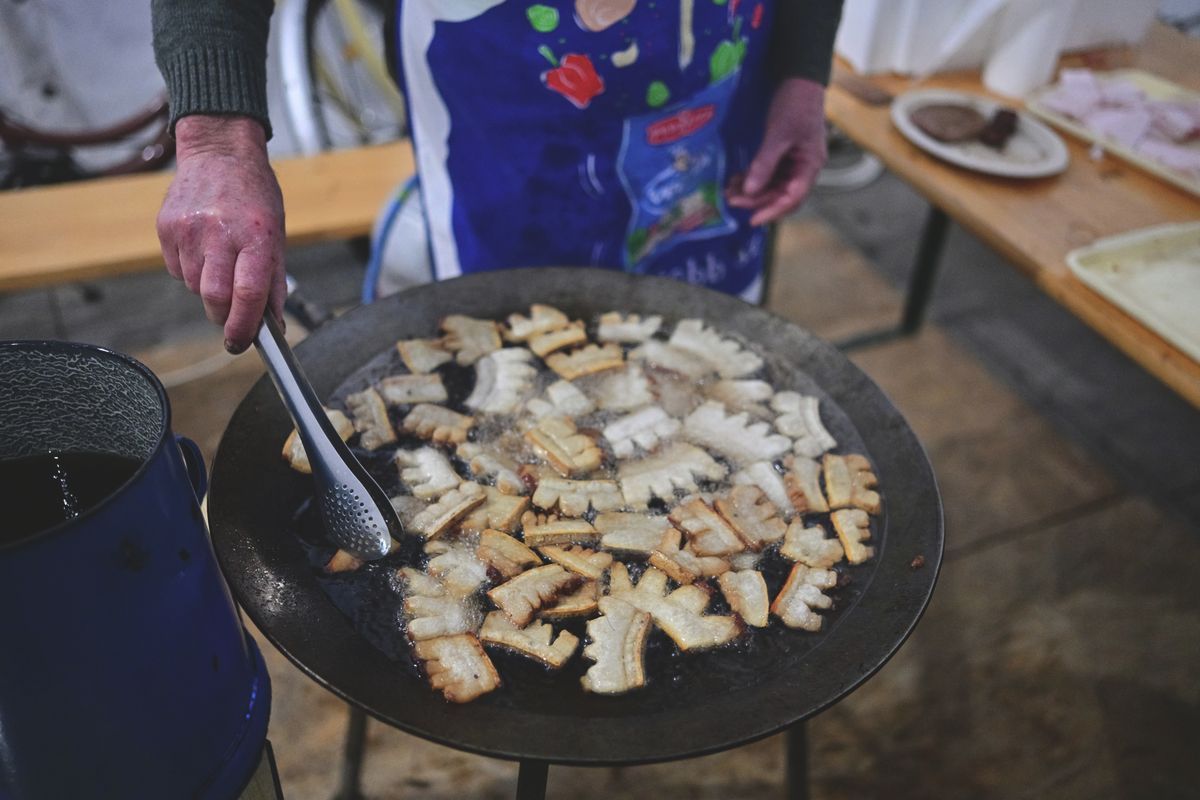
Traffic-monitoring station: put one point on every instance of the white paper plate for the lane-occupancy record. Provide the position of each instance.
(1034, 151)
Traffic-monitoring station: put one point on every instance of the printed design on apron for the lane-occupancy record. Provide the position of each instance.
(618, 130)
(671, 163)
(598, 15)
(672, 166)
(575, 78)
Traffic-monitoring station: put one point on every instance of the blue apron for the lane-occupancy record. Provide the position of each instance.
(599, 132)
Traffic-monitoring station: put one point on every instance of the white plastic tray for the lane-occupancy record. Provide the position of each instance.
(1154, 275)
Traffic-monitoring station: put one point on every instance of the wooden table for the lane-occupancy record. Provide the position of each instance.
(104, 227)
(1035, 223)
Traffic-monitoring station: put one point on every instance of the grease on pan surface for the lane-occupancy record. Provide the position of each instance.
(621, 485)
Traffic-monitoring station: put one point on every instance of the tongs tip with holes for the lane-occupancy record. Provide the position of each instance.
(358, 516)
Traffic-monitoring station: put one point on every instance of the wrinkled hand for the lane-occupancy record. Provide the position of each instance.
(792, 153)
(221, 224)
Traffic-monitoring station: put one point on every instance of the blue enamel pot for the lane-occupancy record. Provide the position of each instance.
(125, 672)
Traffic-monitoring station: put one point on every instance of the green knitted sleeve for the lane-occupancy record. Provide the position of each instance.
(213, 56)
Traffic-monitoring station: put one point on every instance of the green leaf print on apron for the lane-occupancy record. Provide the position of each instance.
(589, 132)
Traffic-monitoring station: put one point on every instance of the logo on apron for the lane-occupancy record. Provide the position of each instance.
(672, 165)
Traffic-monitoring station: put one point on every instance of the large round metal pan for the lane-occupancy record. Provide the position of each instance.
(715, 700)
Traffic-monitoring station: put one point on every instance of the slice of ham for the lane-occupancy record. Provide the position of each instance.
(1125, 125)
(1173, 156)
(1118, 110)
(1176, 121)
(1077, 93)
(1121, 93)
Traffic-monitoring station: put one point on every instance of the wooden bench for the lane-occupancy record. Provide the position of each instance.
(105, 227)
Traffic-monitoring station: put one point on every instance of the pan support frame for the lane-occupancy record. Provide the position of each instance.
(531, 780)
(354, 750)
(532, 774)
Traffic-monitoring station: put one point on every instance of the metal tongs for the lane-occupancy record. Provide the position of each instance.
(358, 516)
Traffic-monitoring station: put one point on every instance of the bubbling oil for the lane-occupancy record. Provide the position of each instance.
(372, 596)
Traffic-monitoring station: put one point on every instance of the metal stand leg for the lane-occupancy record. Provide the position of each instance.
(924, 274)
(352, 756)
(531, 780)
(269, 753)
(770, 242)
(920, 285)
(796, 742)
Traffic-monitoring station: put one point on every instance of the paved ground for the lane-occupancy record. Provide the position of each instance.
(1059, 656)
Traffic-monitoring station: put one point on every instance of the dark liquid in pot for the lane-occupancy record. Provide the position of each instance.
(45, 490)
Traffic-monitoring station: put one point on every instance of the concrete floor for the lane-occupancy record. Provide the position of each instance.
(1059, 656)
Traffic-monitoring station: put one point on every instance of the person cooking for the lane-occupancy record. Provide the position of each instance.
(653, 136)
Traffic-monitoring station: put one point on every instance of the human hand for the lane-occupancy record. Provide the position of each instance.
(792, 153)
(221, 224)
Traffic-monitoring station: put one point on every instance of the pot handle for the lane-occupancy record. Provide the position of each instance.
(194, 461)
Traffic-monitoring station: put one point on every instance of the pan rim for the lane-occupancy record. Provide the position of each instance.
(594, 741)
